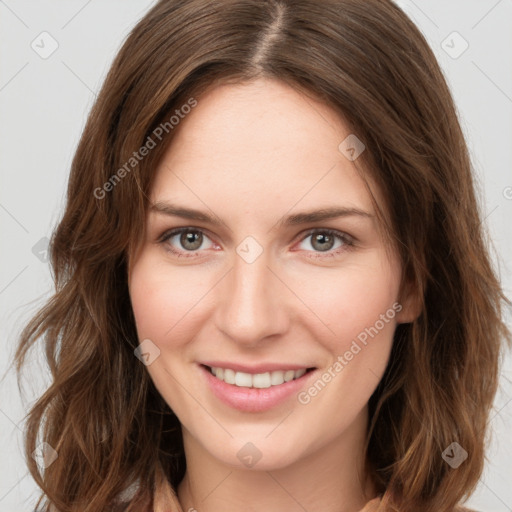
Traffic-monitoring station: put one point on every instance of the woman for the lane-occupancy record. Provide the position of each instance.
(272, 289)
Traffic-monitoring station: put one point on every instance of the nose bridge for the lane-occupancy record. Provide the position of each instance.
(249, 310)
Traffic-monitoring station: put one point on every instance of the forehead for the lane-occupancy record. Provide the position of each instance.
(260, 147)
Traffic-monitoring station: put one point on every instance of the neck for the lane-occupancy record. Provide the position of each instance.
(331, 479)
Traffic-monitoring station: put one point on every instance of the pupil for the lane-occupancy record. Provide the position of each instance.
(322, 239)
(191, 240)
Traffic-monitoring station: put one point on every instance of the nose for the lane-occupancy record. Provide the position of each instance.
(252, 303)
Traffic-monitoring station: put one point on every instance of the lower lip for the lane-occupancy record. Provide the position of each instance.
(253, 399)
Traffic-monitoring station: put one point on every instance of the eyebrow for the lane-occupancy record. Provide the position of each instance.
(295, 219)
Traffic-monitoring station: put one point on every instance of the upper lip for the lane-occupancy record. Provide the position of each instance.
(255, 368)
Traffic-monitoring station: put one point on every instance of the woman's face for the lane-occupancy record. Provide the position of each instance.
(290, 274)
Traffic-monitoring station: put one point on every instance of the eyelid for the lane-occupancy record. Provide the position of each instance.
(347, 240)
(170, 233)
(330, 231)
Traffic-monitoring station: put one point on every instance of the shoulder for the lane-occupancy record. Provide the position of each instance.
(376, 504)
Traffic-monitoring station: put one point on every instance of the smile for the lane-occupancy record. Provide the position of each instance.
(257, 380)
(257, 391)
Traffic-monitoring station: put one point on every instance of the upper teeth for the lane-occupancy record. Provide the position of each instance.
(257, 380)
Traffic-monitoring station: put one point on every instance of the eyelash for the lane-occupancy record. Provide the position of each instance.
(347, 240)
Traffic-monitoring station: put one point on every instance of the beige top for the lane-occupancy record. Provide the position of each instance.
(168, 501)
(171, 504)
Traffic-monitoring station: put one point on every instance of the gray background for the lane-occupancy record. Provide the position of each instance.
(43, 107)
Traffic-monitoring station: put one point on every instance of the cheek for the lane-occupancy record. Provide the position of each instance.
(163, 298)
(164, 313)
(353, 300)
(360, 308)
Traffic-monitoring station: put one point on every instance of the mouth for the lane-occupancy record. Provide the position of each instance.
(256, 380)
(256, 391)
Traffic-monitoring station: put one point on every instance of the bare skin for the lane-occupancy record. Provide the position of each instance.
(252, 155)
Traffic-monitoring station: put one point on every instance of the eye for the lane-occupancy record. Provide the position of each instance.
(326, 241)
(185, 240)
(188, 242)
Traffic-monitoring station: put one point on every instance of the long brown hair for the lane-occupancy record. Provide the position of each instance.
(369, 62)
